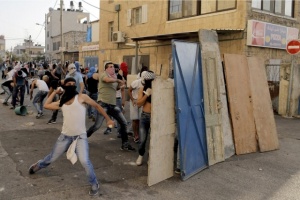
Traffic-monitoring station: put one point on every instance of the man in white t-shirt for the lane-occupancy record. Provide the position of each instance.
(135, 111)
(40, 95)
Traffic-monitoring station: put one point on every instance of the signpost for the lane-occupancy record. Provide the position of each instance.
(293, 48)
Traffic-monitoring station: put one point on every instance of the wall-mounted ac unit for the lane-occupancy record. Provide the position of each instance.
(118, 37)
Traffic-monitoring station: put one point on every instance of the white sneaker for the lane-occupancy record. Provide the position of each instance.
(139, 160)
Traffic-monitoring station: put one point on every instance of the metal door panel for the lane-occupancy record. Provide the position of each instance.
(189, 107)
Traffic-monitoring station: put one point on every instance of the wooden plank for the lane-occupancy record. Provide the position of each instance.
(283, 96)
(213, 120)
(262, 106)
(130, 79)
(161, 148)
(209, 43)
(240, 103)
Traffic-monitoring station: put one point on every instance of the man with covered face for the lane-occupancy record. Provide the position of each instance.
(73, 138)
(77, 76)
(144, 101)
(107, 87)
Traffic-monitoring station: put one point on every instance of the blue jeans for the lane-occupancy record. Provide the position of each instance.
(8, 91)
(38, 100)
(82, 151)
(15, 94)
(117, 114)
(91, 110)
(144, 131)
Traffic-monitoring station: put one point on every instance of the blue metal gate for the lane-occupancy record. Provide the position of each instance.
(189, 107)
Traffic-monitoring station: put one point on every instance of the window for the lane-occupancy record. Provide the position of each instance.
(47, 33)
(279, 7)
(137, 15)
(54, 46)
(110, 31)
(47, 47)
(189, 8)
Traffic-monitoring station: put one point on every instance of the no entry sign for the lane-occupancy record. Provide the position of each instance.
(293, 47)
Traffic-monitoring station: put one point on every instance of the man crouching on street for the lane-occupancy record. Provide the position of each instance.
(73, 138)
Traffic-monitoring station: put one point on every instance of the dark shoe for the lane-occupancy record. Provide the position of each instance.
(2, 92)
(42, 114)
(34, 168)
(51, 121)
(107, 131)
(126, 146)
(119, 135)
(12, 107)
(94, 190)
(177, 171)
(5, 103)
(38, 116)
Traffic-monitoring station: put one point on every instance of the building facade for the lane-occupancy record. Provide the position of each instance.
(29, 50)
(74, 28)
(2, 47)
(88, 51)
(151, 25)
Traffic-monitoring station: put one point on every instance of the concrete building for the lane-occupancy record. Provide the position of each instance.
(29, 49)
(146, 28)
(88, 51)
(2, 47)
(74, 28)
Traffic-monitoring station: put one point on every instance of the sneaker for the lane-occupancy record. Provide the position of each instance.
(42, 114)
(94, 190)
(5, 103)
(34, 168)
(119, 135)
(51, 121)
(139, 160)
(38, 116)
(2, 92)
(12, 107)
(107, 131)
(177, 171)
(126, 146)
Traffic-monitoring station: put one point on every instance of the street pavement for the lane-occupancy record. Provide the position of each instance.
(271, 175)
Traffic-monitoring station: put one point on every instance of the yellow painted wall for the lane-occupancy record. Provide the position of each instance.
(157, 24)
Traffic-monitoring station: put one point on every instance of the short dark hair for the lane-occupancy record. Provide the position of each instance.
(107, 63)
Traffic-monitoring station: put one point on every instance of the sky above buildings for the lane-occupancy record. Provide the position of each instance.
(18, 18)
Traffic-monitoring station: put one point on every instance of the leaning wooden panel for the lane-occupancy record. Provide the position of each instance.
(262, 106)
(213, 115)
(161, 148)
(211, 58)
(240, 103)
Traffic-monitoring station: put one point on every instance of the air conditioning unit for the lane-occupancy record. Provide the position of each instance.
(118, 37)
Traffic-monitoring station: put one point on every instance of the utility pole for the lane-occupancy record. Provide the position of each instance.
(61, 33)
(29, 41)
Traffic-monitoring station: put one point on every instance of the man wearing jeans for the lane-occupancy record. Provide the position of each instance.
(73, 135)
(107, 87)
(144, 100)
(40, 95)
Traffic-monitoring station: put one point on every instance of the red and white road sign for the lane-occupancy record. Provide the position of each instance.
(293, 47)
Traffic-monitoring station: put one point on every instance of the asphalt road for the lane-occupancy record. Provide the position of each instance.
(24, 139)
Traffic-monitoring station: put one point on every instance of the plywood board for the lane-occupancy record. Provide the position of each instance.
(130, 79)
(262, 106)
(212, 103)
(283, 96)
(161, 148)
(211, 55)
(240, 103)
